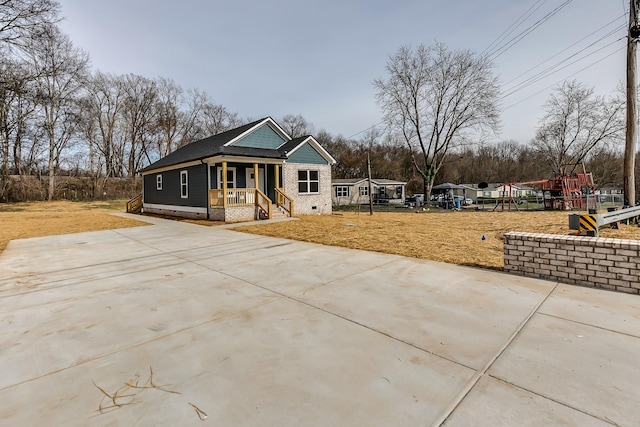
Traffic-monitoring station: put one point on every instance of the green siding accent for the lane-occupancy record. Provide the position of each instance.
(307, 154)
(263, 137)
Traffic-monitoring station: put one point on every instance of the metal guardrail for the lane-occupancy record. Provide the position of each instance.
(592, 222)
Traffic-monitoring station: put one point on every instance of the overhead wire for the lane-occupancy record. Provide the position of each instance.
(582, 39)
(560, 81)
(515, 24)
(556, 68)
(513, 41)
(363, 131)
(499, 47)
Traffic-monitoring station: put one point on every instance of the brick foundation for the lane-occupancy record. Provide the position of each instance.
(586, 261)
(233, 213)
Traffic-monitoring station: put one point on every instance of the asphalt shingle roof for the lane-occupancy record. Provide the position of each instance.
(213, 146)
(290, 145)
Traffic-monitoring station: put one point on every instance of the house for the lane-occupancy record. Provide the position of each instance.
(356, 191)
(497, 191)
(250, 172)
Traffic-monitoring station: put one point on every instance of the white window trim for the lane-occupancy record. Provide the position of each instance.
(159, 182)
(342, 191)
(364, 191)
(184, 186)
(309, 181)
(235, 178)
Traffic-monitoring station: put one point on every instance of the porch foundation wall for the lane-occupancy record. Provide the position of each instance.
(308, 204)
(233, 213)
(171, 212)
(586, 261)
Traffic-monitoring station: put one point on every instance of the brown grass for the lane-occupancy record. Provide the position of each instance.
(22, 220)
(452, 237)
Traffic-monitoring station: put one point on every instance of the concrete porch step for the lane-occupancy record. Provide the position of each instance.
(278, 212)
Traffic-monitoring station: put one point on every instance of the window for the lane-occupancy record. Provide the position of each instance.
(231, 177)
(184, 185)
(308, 181)
(159, 182)
(364, 191)
(342, 191)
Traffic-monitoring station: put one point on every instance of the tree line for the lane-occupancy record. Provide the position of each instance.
(502, 162)
(58, 116)
(440, 107)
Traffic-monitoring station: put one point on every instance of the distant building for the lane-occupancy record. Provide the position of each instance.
(356, 191)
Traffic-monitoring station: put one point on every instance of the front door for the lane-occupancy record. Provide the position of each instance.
(251, 182)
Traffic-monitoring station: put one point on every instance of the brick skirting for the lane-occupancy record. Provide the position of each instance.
(586, 261)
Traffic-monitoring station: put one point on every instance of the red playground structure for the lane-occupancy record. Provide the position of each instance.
(567, 191)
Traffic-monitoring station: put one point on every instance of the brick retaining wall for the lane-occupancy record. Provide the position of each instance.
(586, 261)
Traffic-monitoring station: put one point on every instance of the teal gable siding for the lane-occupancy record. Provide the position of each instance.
(307, 154)
(263, 137)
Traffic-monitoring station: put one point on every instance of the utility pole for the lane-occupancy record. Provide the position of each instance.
(369, 176)
(632, 96)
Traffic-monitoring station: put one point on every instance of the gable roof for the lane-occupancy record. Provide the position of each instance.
(354, 181)
(290, 147)
(224, 144)
(216, 145)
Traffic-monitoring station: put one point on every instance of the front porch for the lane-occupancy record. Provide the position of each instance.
(246, 204)
(231, 203)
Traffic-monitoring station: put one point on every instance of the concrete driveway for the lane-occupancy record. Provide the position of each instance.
(178, 324)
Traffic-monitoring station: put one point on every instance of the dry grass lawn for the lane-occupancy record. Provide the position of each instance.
(22, 220)
(452, 237)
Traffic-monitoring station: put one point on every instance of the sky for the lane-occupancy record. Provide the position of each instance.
(319, 58)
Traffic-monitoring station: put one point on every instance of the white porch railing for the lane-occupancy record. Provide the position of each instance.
(235, 197)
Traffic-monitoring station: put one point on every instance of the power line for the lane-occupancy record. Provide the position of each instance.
(369, 128)
(513, 41)
(554, 69)
(572, 45)
(515, 24)
(496, 49)
(560, 81)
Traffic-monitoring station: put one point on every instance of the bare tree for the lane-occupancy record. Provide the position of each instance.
(16, 107)
(576, 124)
(63, 74)
(606, 165)
(216, 118)
(436, 99)
(295, 125)
(139, 116)
(168, 106)
(20, 19)
(104, 103)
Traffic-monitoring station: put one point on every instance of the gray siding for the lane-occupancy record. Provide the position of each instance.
(170, 193)
(263, 137)
(307, 154)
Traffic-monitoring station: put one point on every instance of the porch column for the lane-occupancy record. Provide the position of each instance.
(224, 183)
(255, 175)
(277, 171)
